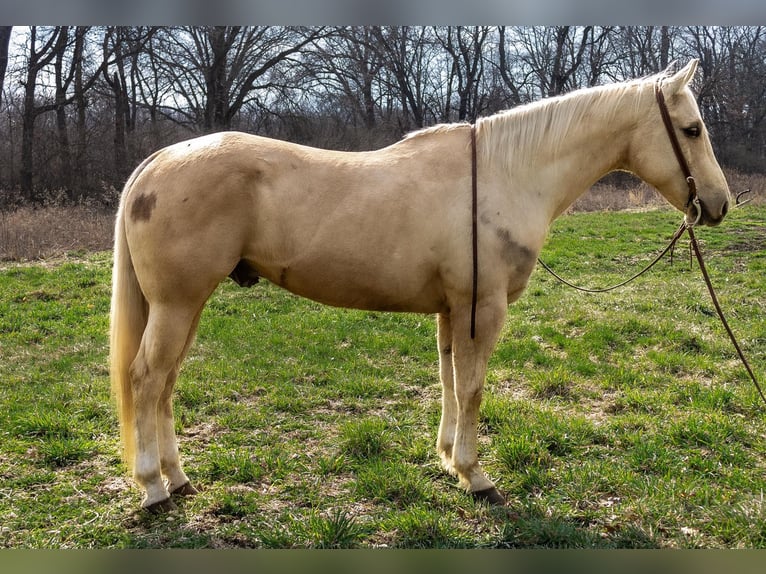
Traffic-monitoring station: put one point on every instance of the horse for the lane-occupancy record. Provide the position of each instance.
(384, 230)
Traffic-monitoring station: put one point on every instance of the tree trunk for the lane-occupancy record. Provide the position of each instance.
(80, 168)
(38, 59)
(63, 172)
(5, 40)
(216, 84)
(27, 149)
(664, 47)
(120, 107)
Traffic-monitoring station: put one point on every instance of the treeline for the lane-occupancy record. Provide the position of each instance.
(81, 106)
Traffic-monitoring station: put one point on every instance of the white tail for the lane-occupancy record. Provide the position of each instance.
(128, 317)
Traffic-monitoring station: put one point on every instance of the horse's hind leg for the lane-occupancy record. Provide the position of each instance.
(177, 481)
(162, 346)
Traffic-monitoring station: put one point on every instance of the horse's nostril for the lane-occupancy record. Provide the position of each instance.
(725, 209)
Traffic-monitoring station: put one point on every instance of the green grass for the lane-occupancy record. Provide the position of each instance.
(613, 420)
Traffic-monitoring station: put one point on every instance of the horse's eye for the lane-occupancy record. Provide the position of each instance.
(692, 131)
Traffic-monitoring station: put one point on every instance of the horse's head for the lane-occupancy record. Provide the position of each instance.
(666, 164)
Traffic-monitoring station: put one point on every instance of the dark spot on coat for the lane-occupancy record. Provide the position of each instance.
(513, 252)
(143, 206)
(447, 350)
(244, 274)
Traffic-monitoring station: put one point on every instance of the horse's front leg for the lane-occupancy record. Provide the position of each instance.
(446, 437)
(469, 359)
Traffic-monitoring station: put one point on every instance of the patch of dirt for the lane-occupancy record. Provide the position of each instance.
(745, 241)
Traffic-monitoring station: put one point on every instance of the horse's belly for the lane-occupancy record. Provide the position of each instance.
(363, 289)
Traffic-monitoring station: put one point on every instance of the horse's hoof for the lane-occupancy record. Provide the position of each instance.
(186, 489)
(490, 495)
(161, 507)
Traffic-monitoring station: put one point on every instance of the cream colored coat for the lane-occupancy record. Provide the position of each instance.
(385, 230)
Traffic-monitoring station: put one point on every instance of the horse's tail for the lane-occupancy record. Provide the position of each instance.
(128, 318)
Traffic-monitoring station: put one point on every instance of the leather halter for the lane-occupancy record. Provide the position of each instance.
(693, 199)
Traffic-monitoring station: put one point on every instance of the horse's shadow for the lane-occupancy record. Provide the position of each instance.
(517, 526)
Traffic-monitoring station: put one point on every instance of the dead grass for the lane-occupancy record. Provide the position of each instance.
(29, 233)
(626, 192)
(608, 197)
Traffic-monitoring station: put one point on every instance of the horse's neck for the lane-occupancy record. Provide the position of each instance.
(579, 145)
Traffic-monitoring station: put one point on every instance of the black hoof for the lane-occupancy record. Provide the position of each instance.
(185, 489)
(161, 507)
(490, 495)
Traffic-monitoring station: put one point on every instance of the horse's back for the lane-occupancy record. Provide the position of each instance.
(368, 230)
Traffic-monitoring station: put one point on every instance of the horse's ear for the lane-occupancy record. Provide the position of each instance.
(679, 79)
(671, 68)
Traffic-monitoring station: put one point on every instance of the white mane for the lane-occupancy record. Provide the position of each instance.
(544, 125)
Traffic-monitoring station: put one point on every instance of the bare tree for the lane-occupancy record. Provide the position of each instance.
(62, 48)
(554, 55)
(214, 70)
(642, 50)
(347, 63)
(5, 40)
(512, 79)
(465, 46)
(732, 101)
(39, 56)
(68, 74)
(122, 48)
(600, 55)
(405, 51)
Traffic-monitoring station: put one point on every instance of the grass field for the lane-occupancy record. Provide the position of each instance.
(616, 420)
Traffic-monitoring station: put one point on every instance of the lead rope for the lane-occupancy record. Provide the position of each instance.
(688, 227)
(676, 236)
(474, 232)
(694, 200)
(709, 284)
(685, 226)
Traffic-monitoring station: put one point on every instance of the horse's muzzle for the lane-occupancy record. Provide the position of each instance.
(703, 214)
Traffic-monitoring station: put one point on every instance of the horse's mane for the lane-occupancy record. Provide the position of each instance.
(544, 125)
(435, 129)
(528, 129)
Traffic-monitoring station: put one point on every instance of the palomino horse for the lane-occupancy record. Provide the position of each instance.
(383, 230)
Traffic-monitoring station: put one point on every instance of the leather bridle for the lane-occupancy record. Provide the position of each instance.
(690, 182)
